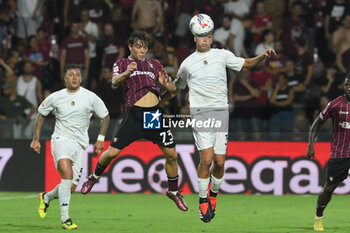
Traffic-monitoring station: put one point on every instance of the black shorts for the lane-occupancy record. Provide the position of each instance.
(134, 127)
(337, 170)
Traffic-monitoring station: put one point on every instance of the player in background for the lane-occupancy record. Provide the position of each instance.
(339, 162)
(73, 107)
(204, 71)
(139, 77)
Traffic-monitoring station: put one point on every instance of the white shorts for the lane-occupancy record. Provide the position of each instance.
(69, 150)
(212, 137)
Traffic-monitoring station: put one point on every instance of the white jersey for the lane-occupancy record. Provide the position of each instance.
(205, 75)
(73, 112)
(27, 89)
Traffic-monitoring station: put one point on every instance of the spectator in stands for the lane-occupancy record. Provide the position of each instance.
(291, 28)
(39, 56)
(75, 50)
(261, 22)
(29, 17)
(281, 120)
(238, 11)
(147, 15)
(275, 8)
(113, 48)
(13, 106)
(111, 96)
(184, 11)
(334, 12)
(267, 42)
(276, 64)
(89, 30)
(303, 61)
(223, 34)
(245, 96)
(71, 11)
(341, 44)
(120, 22)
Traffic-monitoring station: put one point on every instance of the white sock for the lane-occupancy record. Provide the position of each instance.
(64, 195)
(215, 184)
(203, 187)
(53, 194)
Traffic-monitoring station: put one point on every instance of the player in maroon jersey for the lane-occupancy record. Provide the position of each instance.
(339, 163)
(139, 77)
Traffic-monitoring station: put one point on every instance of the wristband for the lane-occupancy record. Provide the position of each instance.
(101, 138)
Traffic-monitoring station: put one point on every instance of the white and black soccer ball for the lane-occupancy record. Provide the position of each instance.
(201, 25)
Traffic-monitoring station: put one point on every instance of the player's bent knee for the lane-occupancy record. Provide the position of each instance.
(219, 164)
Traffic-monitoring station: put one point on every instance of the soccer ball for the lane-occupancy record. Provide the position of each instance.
(201, 25)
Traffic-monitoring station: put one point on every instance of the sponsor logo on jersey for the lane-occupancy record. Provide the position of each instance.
(344, 125)
(341, 112)
(148, 73)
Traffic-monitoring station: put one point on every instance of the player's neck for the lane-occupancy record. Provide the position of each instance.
(347, 98)
(73, 90)
(202, 50)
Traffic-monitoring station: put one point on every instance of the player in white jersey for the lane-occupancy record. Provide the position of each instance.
(204, 72)
(73, 108)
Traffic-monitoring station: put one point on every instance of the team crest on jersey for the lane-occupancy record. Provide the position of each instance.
(72, 103)
(205, 62)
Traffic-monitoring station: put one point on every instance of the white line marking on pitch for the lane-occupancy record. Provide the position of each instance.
(17, 197)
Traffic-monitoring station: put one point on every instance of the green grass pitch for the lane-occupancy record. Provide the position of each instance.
(153, 213)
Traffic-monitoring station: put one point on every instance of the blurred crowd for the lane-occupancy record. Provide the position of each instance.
(277, 99)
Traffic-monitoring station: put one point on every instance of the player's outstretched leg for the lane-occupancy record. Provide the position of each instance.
(69, 225)
(178, 199)
(42, 210)
(88, 184)
(102, 164)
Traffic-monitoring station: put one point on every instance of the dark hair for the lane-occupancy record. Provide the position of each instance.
(264, 33)
(139, 36)
(297, 3)
(300, 41)
(73, 66)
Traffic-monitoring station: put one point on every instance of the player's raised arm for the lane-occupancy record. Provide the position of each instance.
(315, 127)
(251, 62)
(35, 144)
(99, 145)
(118, 79)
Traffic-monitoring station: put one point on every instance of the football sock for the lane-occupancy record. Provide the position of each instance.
(212, 194)
(99, 170)
(215, 185)
(319, 209)
(64, 195)
(202, 200)
(53, 194)
(203, 187)
(173, 184)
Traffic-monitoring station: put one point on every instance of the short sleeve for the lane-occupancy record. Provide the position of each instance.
(181, 77)
(327, 112)
(233, 62)
(46, 106)
(99, 107)
(117, 68)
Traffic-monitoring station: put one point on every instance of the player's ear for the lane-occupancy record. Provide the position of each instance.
(195, 39)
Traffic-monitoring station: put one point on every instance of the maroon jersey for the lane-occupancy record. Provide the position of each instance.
(75, 49)
(339, 110)
(141, 81)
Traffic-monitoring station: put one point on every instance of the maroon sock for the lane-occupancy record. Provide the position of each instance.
(172, 183)
(319, 210)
